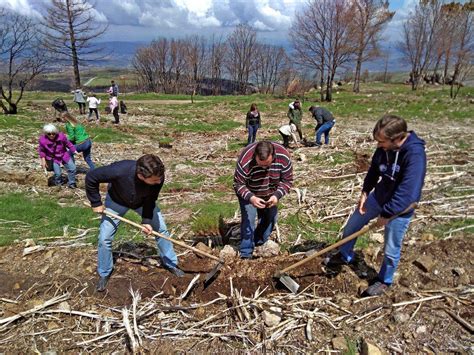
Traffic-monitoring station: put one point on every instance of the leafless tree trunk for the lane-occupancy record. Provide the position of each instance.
(196, 56)
(270, 62)
(22, 58)
(369, 19)
(144, 63)
(419, 38)
(240, 56)
(70, 29)
(322, 39)
(217, 53)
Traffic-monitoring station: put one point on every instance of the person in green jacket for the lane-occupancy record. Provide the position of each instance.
(295, 115)
(77, 134)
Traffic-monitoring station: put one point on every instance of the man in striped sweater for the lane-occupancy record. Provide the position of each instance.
(263, 175)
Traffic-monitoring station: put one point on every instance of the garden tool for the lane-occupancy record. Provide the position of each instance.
(293, 286)
(210, 275)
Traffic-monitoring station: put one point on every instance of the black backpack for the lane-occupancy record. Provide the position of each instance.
(123, 107)
(59, 105)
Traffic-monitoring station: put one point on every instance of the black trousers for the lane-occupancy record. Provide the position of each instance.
(286, 140)
(82, 107)
(116, 114)
(96, 113)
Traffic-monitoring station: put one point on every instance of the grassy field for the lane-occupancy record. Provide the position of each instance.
(206, 137)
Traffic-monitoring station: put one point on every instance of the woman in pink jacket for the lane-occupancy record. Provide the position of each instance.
(114, 108)
(55, 149)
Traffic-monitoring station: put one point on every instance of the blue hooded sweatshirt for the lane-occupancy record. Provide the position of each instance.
(397, 176)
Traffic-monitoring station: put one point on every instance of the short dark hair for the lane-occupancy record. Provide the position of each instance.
(150, 165)
(393, 127)
(263, 150)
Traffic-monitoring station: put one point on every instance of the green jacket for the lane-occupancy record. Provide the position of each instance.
(76, 134)
(295, 116)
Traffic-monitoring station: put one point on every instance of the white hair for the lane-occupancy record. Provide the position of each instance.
(50, 128)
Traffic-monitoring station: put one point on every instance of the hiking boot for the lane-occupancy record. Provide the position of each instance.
(175, 271)
(335, 260)
(377, 289)
(102, 283)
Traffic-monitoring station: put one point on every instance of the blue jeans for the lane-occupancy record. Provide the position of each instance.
(85, 147)
(394, 232)
(252, 133)
(109, 226)
(325, 128)
(251, 236)
(71, 172)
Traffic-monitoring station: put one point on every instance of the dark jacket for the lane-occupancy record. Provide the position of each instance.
(402, 175)
(252, 120)
(321, 115)
(125, 188)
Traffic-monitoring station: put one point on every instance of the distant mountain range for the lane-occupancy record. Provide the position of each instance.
(120, 54)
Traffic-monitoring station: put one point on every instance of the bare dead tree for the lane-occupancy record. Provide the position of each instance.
(240, 55)
(70, 29)
(217, 54)
(22, 58)
(196, 57)
(322, 39)
(463, 45)
(270, 62)
(419, 38)
(368, 21)
(145, 64)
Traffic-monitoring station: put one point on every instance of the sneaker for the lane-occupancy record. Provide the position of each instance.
(175, 271)
(72, 186)
(377, 289)
(102, 283)
(335, 260)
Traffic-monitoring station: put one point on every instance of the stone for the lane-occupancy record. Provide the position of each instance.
(44, 270)
(29, 243)
(421, 329)
(180, 167)
(427, 237)
(153, 262)
(377, 237)
(143, 268)
(302, 157)
(33, 249)
(339, 343)
(425, 263)
(89, 269)
(64, 306)
(400, 317)
(463, 276)
(269, 249)
(16, 286)
(204, 248)
(49, 254)
(272, 317)
(370, 349)
(228, 252)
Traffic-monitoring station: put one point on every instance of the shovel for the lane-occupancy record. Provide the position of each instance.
(293, 286)
(210, 275)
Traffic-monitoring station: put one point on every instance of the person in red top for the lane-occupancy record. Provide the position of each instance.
(263, 175)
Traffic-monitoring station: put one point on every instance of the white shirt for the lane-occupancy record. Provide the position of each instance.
(93, 102)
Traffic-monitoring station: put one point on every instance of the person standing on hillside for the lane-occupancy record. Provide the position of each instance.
(252, 123)
(113, 90)
(393, 183)
(295, 115)
(325, 121)
(263, 175)
(94, 103)
(55, 149)
(114, 108)
(77, 134)
(80, 99)
(131, 185)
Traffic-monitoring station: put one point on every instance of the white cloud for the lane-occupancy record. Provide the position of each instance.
(22, 7)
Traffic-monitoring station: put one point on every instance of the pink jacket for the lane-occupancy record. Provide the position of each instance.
(57, 149)
(113, 103)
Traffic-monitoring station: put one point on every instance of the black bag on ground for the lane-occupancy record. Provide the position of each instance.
(123, 107)
(107, 110)
(59, 105)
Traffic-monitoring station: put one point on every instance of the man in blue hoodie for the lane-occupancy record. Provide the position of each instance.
(131, 185)
(393, 182)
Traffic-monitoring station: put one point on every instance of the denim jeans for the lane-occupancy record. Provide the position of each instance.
(251, 236)
(71, 172)
(109, 226)
(394, 232)
(85, 147)
(252, 133)
(325, 128)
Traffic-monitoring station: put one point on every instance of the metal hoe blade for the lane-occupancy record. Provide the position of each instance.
(211, 275)
(289, 283)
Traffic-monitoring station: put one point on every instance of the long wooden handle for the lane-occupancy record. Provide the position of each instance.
(342, 241)
(177, 242)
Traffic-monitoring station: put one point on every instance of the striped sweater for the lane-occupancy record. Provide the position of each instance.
(252, 180)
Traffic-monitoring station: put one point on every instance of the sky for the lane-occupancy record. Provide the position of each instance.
(145, 20)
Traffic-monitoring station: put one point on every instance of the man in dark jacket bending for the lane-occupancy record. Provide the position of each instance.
(132, 185)
(393, 182)
(325, 121)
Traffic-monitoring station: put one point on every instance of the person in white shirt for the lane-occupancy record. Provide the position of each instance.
(288, 131)
(93, 103)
